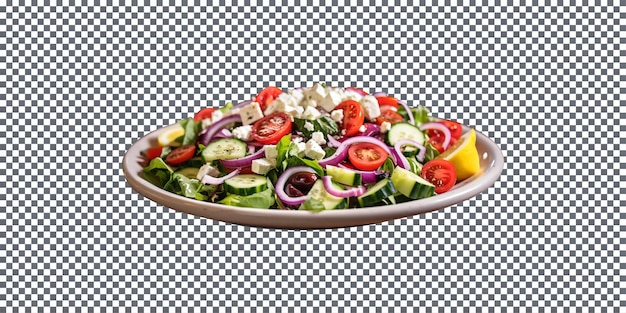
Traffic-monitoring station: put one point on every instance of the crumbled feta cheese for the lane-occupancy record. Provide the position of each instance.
(384, 127)
(311, 113)
(234, 111)
(279, 104)
(351, 95)
(294, 111)
(298, 95)
(313, 150)
(243, 132)
(309, 126)
(216, 116)
(332, 99)
(318, 137)
(250, 113)
(343, 132)
(296, 139)
(206, 123)
(299, 149)
(317, 93)
(370, 107)
(261, 166)
(337, 115)
(308, 103)
(207, 169)
(362, 129)
(270, 151)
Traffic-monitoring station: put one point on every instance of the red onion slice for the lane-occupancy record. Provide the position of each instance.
(332, 142)
(379, 94)
(408, 111)
(351, 192)
(400, 159)
(210, 180)
(245, 161)
(242, 104)
(217, 127)
(282, 180)
(440, 127)
(410, 142)
(367, 177)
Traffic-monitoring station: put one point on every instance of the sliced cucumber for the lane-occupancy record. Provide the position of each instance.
(224, 149)
(411, 184)
(245, 184)
(377, 193)
(404, 131)
(329, 201)
(344, 176)
(189, 172)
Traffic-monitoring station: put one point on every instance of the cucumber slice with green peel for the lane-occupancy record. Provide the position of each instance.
(344, 176)
(404, 131)
(224, 149)
(377, 193)
(328, 201)
(189, 172)
(245, 184)
(411, 184)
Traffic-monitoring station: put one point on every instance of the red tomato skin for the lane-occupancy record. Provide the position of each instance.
(203, 114)
(267, 96)
(358, 90)
(279, 132)
(181, 154)
(440, 173)
(154, 152)
(366, 165)
(387, 100)
(353, 117)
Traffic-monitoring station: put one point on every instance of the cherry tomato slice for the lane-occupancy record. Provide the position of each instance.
(154, 152)
(387, 100)
(440, 173)
(271, 128)
(437, 142)
(353, 117)
(267, 96)
(384, 108)
(456, 130)
(367, 156)
(203, 114)
(181, 154)
(357, 90)
(389, 116)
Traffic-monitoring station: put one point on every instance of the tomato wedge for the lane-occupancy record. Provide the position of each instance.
(367, 156)
(353, 117)
(437, 142)
(181, 154)
(267, 96)
(456, 130)
(389, 116)
(203, 114)
(154, 152)
(440, 173)
(387, 100)
(271, 128)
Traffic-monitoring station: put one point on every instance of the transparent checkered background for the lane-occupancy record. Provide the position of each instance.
(80, 84)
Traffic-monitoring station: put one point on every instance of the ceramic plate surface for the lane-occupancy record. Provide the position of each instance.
(491, 164)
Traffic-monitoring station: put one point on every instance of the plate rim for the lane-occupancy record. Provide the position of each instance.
(307, 219)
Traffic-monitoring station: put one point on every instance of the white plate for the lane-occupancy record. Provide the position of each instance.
(491, 163)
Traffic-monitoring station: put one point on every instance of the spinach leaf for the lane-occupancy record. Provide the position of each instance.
(323, 124)
(157, 172)
(262, 200)
(431, 152)
(388, 166)
(282, 149)
(297, 161)
(420, 115)
(189, 187)
(191, 128)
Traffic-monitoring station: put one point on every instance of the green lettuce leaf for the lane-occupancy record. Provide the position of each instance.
(191, 128)
(282, 148)
(298, 161)
(262, 200)
(157, 172)
(431, 152)
(189, 187)
(323, 124)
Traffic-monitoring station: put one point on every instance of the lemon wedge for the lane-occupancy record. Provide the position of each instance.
(169, 134)
(464, 155)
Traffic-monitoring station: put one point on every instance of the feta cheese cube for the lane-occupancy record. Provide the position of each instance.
(250, 113)
(297, 94)
(332, 99)
(299, 149)
(271, 152)
(337, 116)
(318, 137)
(272, 162)
(362, 129)
(294, 111)
(261, 166)
(243, 132)
(206, 123)
(384, 127)
(308, 103)
(313, 150)
(317, 93)
(351, 95)
(311, 113)
(309, 126)
(370, 107)
(216, 116)
(207, 169)
(279, 104)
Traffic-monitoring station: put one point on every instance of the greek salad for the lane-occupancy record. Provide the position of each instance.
(317, 148)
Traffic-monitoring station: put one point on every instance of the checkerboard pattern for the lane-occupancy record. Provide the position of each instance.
(80, 83)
